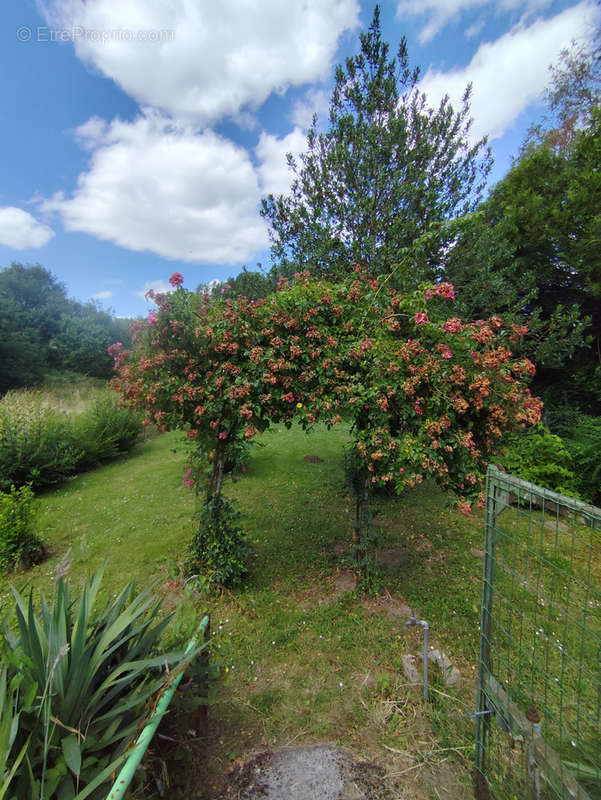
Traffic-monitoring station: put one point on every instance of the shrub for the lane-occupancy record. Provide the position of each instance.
(18, 542)
(85, 680)
(42, 447)
(37, 444)
(106, 431)
(541, 457)
(583, 440)
(219, 547)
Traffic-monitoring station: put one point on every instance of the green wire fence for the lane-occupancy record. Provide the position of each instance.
(539, 710)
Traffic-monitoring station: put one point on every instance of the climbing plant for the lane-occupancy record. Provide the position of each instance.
(426, 394)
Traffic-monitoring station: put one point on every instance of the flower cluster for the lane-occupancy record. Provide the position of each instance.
(428, 394)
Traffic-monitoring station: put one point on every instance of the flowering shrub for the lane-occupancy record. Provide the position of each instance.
(428, 394)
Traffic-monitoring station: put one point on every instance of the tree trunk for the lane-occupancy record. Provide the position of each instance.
(216, 480)
(361, 532)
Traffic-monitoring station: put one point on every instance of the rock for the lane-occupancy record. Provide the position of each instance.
(410, 670)
(450, 674)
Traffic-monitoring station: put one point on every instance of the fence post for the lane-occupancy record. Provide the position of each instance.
(482, 719)
(202, 722)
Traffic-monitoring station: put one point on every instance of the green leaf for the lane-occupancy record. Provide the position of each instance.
(72, 752)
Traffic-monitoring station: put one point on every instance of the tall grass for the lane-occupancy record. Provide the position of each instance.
(46, 436)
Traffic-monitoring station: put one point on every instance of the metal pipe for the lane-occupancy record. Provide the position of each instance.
(423, 624)
(127, 771)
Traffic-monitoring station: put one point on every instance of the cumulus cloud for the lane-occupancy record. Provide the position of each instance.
(315, 101)
(158, 287)
(20, 230)
(510, 73)
(153, 186)
(273, 170)
(204, 61)
(441, 12)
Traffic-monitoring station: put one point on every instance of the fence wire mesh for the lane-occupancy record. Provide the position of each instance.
(539, 715)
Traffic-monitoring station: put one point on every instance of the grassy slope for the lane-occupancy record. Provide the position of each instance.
(302, 657)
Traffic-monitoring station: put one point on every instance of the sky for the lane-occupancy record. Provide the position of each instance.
(138, 136)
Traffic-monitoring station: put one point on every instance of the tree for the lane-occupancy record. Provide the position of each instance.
(572, 95)
(426, 394)
(387, 169)
(41, 329)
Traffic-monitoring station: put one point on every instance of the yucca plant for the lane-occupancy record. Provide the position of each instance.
(94, 674)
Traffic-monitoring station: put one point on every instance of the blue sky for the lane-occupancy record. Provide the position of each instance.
(138, 136)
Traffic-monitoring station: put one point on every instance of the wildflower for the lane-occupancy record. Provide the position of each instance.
(222, 435)
(299, 405)
(176, 279)
(152, 318)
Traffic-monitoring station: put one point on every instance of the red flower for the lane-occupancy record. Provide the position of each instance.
(176, 279)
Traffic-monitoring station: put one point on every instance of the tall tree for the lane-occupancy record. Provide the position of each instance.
(386, 169)
(532, 251)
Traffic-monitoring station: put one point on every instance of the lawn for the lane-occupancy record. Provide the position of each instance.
(302, 656)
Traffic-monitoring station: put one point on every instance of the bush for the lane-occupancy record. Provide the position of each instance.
(18, 542)
(76, 688)
(583, 440)
(106, 431)
(541, 457)
(37, 444)
(219, 547)
(42, 447)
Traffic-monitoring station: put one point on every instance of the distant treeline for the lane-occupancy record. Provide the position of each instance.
(42, 330)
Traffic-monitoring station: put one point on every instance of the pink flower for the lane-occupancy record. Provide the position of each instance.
(113, 349)
(445, 290)
(421, 318)
(453, 325)
(149, 295)
(152, 318)
(176, 279)
(444, 350)
(187, 480)
(222, 435)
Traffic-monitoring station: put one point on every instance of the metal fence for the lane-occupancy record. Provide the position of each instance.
(539, 708)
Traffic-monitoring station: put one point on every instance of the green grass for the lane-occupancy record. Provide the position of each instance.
(302, 657)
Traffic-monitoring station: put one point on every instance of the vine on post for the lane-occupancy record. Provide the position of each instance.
(426, 394)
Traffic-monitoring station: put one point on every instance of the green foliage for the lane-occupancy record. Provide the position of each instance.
(42, 446)
(84, 676)
(106, 431)
(386, 170)
(41, 329)
(37, 444)
(541, 457)
(219, 546)
(18, 542)
(583, 440)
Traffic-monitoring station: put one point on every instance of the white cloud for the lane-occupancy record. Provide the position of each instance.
(158, 287)
(441, 12)
(273, 170)
(316, 101)
(153, 186)
(205, 60)
(474, 29)
(105, 295)
(19, 230)
(510, 73)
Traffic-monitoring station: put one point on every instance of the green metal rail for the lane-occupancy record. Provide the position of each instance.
(127, 772)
